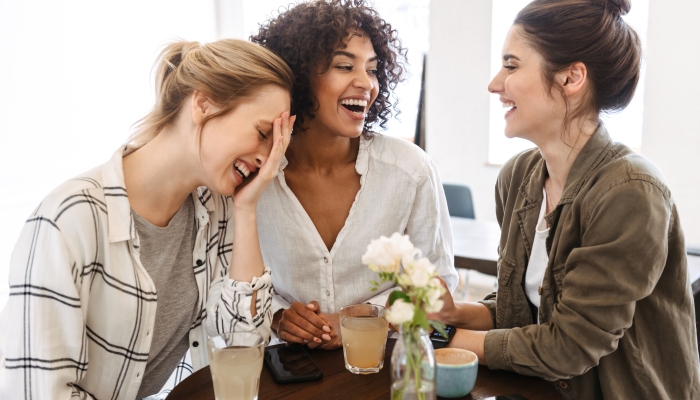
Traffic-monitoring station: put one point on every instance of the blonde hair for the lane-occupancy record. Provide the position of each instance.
(228, 71)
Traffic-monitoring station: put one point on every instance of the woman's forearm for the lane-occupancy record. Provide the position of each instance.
(473, 316)
(246, 258)
(470, 340)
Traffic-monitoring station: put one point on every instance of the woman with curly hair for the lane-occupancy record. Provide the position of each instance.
(342, 184)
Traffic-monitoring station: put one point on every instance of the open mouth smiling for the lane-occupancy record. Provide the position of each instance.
(241, 169)
(354, 105)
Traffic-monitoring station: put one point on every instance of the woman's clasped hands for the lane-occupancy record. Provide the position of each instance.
(305, 324)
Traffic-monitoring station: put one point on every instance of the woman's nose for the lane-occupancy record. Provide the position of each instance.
(496, 84)
(363, 81)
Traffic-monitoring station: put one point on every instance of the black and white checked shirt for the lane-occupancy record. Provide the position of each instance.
(80, 316)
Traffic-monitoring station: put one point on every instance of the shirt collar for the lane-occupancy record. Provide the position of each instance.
(120, 222)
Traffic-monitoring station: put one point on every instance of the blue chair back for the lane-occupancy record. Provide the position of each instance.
(459, 200)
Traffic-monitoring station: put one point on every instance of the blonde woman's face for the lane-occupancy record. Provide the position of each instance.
(346, 91)
(530, 110)
(236, 144)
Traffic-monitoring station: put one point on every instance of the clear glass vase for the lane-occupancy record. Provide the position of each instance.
(413, 366)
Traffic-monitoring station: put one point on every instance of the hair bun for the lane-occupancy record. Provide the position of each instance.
(619, 7)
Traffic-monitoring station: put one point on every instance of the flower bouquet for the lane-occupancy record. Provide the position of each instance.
(396, 260)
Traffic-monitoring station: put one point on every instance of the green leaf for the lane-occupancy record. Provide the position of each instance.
(397, 294)
(420, 319)
(438, 326)
(374, 283)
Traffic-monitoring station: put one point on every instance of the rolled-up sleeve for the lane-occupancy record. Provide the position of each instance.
(229, 305)
(429, 226)
(621, 257)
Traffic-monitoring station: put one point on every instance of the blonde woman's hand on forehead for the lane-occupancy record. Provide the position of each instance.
(247, 194)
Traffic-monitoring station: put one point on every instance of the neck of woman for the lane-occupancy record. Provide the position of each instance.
(160, 175)
(561, 150)
(321, 151)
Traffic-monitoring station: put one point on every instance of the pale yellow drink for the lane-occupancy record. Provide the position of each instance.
(364, 339)
(235, 372)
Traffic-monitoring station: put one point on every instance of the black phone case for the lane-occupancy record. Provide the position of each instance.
(439, 341)
(293, 379)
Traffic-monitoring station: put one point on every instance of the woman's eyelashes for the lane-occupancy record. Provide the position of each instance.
(263, 136)
(371, 71)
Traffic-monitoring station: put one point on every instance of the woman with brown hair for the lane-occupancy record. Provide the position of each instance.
(341, 184)
(123, 270)
(593, 290)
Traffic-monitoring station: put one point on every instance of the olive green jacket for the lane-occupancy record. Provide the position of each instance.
(616, 312)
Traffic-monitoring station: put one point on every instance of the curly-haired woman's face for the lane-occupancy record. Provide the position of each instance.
(346, 91)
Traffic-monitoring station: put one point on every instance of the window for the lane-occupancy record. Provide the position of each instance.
(76, 77)
(625, 126)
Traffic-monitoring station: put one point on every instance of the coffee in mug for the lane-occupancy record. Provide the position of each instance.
(456, 372)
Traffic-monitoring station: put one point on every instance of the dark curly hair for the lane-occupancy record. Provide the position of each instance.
(306, 35)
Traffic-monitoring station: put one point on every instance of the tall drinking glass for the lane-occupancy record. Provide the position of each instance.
(235, 361)
(364, 332)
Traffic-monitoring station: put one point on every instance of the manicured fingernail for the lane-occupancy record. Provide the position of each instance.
(326, 337)
(317, 340)
(311, 306)
(306, 341)
(326, 329)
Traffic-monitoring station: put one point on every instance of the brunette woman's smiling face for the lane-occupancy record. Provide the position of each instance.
(347, 89)
(532, 109)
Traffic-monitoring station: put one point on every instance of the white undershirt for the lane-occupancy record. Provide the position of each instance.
(538, 258)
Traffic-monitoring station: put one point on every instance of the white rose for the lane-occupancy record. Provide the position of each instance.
(420, 271)
(435, 307)
(386, 253)
(400, 312)
(432, 298)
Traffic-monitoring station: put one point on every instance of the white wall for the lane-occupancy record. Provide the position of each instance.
(457, 102)
(671, 132)
(456, 99)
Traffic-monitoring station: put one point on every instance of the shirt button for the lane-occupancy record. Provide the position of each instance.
(195, 344)
(325, 260)
(328, 293)
(138, 375)
(199, 263)
(564, 385)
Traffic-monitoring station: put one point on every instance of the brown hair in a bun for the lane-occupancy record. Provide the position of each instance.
(592, 32)
(622, 7)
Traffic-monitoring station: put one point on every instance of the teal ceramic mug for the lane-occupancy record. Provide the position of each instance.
(456, 372)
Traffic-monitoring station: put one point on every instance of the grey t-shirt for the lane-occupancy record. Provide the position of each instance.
(166, 253)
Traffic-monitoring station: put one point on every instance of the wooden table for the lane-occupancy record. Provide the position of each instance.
(476, 244)
(338, 383)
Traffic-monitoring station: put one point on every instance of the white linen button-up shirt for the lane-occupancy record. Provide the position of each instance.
(400, 191)
(82, 307)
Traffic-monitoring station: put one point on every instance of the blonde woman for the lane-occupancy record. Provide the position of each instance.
(123, 269)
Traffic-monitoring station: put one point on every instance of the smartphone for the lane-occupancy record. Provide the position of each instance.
(507, 397)
(291, 364)
(440, 341)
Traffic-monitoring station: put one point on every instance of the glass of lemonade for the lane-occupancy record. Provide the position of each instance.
(363, 330)
(235, 361)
